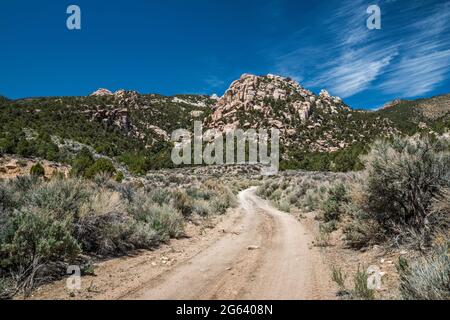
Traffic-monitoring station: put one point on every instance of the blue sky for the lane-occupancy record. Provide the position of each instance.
(200, 46)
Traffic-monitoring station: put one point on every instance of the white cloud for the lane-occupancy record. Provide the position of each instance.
(415, 76)
(425, 61)
(409, 56)
(354, 74)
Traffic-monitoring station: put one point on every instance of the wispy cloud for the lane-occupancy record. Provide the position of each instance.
(415, 76)
(410, 56)
(354, 72)
(342, 65)
(425, 62)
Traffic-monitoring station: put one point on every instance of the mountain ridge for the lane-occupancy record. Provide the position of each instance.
(136, 127)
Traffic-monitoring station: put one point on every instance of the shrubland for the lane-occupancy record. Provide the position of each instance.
(46, 225)
(400, 200)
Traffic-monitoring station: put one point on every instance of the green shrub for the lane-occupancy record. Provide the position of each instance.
(82, 161)
(34, 238)
(167, 221)
(119, 177)
(199, 193)
(276, 195)
(427, 278)
(113, 233)
(339, 278)
(221, 202)
(283, 205)
(160, 196)
(362, 233)
(330, 209)
(6, 197)
(37, 170)
(310, 201)
(334, 200)
(201, 207)
(136, 163)
(328, 227)
(143, 236)
(23, 184)
(51, 221)
(60, 197)
(403, 178)
(100, 166)
(361, 289)
(182, 202)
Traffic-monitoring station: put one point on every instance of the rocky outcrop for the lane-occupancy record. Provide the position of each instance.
(121, 97)
(253, 101)
(162, 134)
(127, 98)
(392, 103)
(117, 117)
(102, 92)
(14, 166)
(306, 121)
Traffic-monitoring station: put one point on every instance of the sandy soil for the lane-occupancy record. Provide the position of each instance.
(255, 252)
(340, 256)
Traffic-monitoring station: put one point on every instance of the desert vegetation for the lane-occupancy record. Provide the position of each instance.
(48, 224)
(400, 200)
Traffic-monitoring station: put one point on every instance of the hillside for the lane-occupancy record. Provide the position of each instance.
(309, 122)
(318, 132)
(411, 115)
(127, 124)
(315, 129)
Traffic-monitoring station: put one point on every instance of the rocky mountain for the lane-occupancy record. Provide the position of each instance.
(306, 121)
(280, 101)
(134, 128)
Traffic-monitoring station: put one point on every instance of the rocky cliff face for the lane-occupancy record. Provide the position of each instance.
(273, 101)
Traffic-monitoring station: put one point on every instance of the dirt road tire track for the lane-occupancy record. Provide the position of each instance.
(266, 256)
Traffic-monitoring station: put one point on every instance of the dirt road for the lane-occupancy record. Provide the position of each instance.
(253, 252)
(266, 256)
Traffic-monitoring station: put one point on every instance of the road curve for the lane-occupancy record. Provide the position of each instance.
(266, 256)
